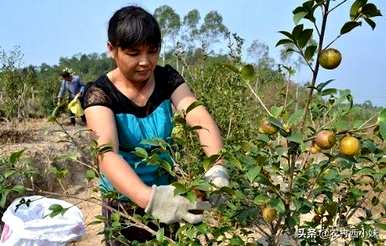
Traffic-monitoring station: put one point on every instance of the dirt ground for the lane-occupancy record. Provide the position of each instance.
(44, 142)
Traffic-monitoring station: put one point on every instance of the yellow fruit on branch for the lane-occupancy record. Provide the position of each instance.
(314, 149)
(178, 132)
(325, 139)
(330, 58)
(267, 128)
(269, 214)
(349, 146)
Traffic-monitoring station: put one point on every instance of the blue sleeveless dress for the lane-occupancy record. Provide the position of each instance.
(135, 123)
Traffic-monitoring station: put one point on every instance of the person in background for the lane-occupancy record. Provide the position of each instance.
(132, 103)
(70, 83)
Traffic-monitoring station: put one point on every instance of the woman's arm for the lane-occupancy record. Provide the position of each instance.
(101, 121)
(209, 135)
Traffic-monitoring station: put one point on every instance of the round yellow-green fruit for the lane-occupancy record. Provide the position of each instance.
(314, 149)
(267, 128)
(349, 146)
(330, 58)
(325, 139)
(178, 132)
(269, 214)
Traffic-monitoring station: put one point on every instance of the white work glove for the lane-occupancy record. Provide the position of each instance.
(218, 176)
(168, 208)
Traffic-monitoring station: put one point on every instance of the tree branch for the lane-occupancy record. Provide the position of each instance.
(336, 6)
(316, 69)
(340, 35)
(259, 100)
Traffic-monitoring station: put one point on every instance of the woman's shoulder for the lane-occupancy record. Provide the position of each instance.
(167, 71)
(97, 93)
(169, 77)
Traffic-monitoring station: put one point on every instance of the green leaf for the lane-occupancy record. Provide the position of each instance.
(167, 167)
(247, 72)
(310, 52)
(296, 117)
(287, 34)
(55, 210)
(296, 137)
(365, 171)
(261, 179)
(370, 23)
(160, 235)
(304, 206)
(297, 32)
(381, 226)
(193, 106)
(284, 41)
(299, 9)
(90, 174)
(321, 86)
(329, 91)
(140, 152)
(3, 198)
(261, 199)
(9, 173)
(208, 161)
(348, 26)
(299, 16)
(382, 130)
(232, 68)
(276, 111)
(236, 241)
(191, 196)
(18, 188)
(356, 193)
(305, 36)
(354, 11)
(309, 5)
(382, 123)
(370, 10)
(277, 204)
(180, 188)
(290, 50)
(252, 173)
(382, 116)
(15, 156)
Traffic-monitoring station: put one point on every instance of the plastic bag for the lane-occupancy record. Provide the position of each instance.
(27, 223)
(75, 107)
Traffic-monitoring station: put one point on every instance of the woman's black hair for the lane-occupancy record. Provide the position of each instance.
(132, 26)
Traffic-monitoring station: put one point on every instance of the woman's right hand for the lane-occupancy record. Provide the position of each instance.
(168, 208)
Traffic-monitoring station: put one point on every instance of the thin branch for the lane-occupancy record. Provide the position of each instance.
(316, 28)
(229, 127)
(300, 52)
(336, 6)
(262, 231)
(333, 41)
(316, 70)
(259, 100)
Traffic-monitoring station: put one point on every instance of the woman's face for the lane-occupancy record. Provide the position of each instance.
(136, 64)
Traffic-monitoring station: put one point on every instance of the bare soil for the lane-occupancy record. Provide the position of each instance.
(43, 142)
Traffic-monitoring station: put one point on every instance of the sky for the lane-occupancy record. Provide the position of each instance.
(46, 30)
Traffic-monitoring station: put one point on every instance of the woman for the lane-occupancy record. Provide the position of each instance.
(134, 102)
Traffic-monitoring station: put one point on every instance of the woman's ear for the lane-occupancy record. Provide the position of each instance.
(110, 49)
